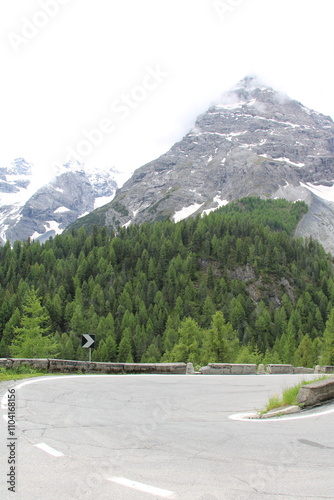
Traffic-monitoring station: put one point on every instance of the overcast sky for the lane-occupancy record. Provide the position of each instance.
(116, 83)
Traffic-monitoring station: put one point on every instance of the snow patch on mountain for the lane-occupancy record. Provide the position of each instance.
(286, 160)
(324, 192)
(61, 210)
(186, 212)
(102, 200)
(219, 203)
(52, 225)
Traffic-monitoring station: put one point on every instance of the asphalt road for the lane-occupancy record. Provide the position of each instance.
(140, 437)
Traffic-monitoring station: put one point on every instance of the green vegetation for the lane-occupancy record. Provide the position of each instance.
(120, 208)
(328, 349)
(232, 286)
(20, 373)
(289, 395)
(31, 339)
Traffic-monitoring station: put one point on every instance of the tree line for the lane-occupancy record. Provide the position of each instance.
(232, 286)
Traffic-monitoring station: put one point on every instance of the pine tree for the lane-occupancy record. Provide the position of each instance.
(289, 343)
(328, 346)
(125, 348)
(238, 317)
(9, 330)
(208, 309)
(221, 344)
(111, 348)
(263, 327)
(31, 340)
(304, 355)
(4, 349)
(190, 340)
(152, 355)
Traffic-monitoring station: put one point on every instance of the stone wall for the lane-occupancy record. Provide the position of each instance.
(280, 369)
(69, 366)
(228, 369)
(316, 393)
(301, 369)
(324, 369)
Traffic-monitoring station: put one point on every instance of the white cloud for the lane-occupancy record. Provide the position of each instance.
(65, 79)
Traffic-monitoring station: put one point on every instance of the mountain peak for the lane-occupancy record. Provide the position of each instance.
(247, 90)
(254, 142)
(19, 166)
(250, 82)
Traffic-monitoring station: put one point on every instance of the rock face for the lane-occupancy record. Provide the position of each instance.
(38, 213)
(255, 141)
(316, 393)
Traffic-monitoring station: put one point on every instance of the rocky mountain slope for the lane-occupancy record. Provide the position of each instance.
(254, 141)
(28, 210)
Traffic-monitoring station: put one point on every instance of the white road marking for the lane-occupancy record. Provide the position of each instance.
(49, 450)
(4, 402)
(4, 406)
(142, 487)
(245, 417)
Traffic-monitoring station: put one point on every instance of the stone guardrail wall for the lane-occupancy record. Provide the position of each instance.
(69, 366)
(324, 369)
(280, 369)
(316, 393)
(228, 369)
(288, 369)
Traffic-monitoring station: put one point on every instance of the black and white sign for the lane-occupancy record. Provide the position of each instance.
(87, 341)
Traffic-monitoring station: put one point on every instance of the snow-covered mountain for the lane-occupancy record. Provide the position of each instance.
(254, 141)
(30, 209)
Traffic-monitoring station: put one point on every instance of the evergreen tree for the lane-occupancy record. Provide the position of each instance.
(9, 330)
(249, 355)
(125, 347)
(289, 343)
(4, 349)
(111, 348)
(151, 278)
(328, 345)
(221, 341)
(190, 340)
(238, 317)
(32, 339)
(152, 355)
(304, 353)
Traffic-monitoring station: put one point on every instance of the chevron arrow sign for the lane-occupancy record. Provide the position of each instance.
(87, 341)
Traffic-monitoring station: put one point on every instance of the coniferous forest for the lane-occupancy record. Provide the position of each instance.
(232, 286)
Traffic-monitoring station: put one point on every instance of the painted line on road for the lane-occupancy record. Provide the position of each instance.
(4, 402)
(249, 417)
(4, 406)
(123, 481)
(49, 450)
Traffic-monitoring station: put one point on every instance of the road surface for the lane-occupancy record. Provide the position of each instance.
(142, 437)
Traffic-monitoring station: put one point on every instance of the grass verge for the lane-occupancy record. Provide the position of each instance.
(20, 373)
(289, 396)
